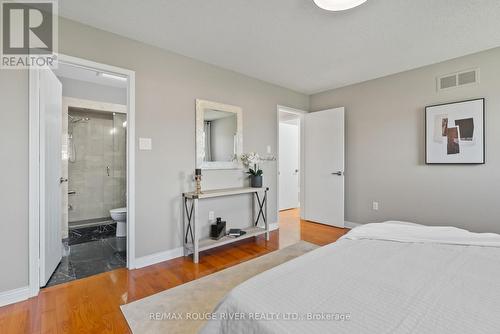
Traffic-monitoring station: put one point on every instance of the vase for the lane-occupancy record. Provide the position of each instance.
(256, 181)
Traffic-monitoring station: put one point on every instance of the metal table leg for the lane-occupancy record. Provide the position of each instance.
(262, 212)
(266, 221)
(184, 229)
(262, 208)
(189, 214)
(196, 255)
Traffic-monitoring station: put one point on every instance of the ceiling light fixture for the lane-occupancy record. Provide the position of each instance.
(338, 5)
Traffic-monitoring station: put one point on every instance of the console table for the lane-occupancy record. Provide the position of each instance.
(194, 243)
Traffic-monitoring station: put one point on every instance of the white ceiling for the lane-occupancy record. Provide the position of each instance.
(293, 43)
(212, 115)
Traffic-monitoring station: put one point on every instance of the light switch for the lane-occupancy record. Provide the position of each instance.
(268, 149)
(145, 144)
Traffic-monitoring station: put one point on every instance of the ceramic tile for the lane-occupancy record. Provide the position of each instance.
(64, 273)
(86, 234)
(90, 258)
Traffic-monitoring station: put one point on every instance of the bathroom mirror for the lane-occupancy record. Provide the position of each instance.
(218, 135)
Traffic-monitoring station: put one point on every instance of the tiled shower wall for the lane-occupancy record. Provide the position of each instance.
(99, 143)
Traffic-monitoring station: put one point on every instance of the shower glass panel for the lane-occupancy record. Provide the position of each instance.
(119, 169)
(96, 166)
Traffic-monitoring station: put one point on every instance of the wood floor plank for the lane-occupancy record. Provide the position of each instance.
(92, 304)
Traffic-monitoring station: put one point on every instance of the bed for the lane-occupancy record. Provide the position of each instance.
(390, 277)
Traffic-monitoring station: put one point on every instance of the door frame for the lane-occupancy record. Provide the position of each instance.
(301, 114)
(35, 163)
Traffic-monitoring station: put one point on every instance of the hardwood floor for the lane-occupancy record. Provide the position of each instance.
(92, 305)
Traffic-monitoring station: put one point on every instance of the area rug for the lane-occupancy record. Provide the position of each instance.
(165, 312)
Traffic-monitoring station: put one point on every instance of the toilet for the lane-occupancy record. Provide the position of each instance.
(120, 217)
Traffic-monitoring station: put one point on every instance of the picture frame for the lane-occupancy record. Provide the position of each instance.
(455, 133)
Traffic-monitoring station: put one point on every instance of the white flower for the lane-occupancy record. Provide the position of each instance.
(250, 159)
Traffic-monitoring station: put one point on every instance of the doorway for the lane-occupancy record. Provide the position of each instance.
(289, 159)
(94, 165)
(290, 124)
(81, 133)
(317, 185)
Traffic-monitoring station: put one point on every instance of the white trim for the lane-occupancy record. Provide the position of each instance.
(301, 114)
(351, 225)
(170, 254)
(15, 295)
(155, 258)
(292, 110)
(34, 181)
(131, 171)
(34, 166)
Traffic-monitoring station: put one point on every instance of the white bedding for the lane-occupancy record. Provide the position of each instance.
(380, 278)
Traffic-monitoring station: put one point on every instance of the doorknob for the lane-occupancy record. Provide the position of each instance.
(339, 173)
(62, 180)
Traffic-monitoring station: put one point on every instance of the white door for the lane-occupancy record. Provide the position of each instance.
(289, 161)
(50, 108)
(324, 167)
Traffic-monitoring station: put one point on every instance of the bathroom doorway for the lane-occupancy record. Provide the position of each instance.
(96, 163)
(95, 127)
(94, 198)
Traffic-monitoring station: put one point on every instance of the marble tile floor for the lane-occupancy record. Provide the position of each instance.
(90, 258)
(91, 233)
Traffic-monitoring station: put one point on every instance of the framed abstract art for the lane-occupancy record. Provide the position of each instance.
(454, 133)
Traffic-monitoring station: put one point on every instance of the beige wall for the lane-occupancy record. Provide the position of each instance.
(13, 179)
(385, 149)
(167, 86)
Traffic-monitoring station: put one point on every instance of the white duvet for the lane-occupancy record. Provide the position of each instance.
(380, 278)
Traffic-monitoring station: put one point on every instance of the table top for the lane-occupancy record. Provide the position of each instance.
(223, 192)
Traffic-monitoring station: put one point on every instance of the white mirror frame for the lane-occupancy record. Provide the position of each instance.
(201, 106)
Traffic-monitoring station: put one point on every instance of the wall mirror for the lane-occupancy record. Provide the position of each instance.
(219, 135)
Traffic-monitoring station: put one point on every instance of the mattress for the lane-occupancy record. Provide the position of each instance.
(389, 277)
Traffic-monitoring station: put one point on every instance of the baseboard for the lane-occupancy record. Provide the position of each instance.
(14, 296)
(351, 225)
(155, 258)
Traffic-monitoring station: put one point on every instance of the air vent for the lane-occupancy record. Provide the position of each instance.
(467, 78)
(458, 79)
